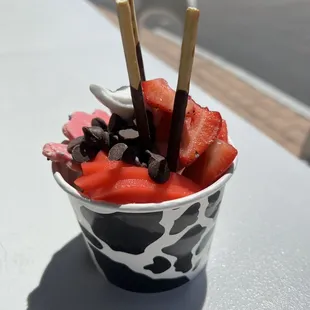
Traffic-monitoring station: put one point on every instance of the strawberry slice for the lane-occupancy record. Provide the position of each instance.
(92, 167)
(143, 191)
(100, 161)
(201, 122)
(163, 125)
(211, 165)
(118, 182)
(159, 95)
(98, 174)
(199, 132)
(101, 157)
(223, 134)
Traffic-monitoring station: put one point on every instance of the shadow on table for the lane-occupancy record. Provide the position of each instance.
(71, 281)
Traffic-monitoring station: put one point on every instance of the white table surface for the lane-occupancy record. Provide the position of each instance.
(50, 51)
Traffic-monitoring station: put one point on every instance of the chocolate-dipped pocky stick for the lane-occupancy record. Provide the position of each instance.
(126, 28)
(137, 41)
(181, 96)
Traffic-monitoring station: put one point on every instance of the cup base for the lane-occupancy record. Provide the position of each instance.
(123, 277)
(149, 249)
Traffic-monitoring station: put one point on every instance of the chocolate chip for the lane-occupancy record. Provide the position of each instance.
(131, 124)
(139, 163)
(113, 139)
(144, 156)
(116, 123)
(93, 135)
(104, 144)
(74, 142)
(152, 128)
(129, 136)
(90, 150)
(99, 122)
(117, 151)
(97, 137)
(83, 152)
(158, 170)
(129, 155)
(148, 155)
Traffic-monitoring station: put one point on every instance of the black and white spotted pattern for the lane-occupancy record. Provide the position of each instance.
(150, 252)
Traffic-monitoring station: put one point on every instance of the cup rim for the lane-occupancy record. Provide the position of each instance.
(146, 207)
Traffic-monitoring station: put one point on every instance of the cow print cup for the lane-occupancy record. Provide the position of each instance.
(148, 248)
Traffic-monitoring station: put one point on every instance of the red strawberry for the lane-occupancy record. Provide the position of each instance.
(159, 95)
(223, 134)
(199, 132)
(163, 127)
(212, 164)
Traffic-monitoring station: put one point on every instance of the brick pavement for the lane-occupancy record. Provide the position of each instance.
(275, 120)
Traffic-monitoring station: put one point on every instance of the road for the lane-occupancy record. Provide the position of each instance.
(270, 38)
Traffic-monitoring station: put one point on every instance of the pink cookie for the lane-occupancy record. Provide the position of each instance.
(103, 115)
(56, 152)
(73, 128)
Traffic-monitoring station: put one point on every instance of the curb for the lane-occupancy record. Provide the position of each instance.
(270, 90)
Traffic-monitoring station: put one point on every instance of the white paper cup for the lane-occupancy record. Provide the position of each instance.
(148, 247)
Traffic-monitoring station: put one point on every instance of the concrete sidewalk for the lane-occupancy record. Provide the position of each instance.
(277, 121)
